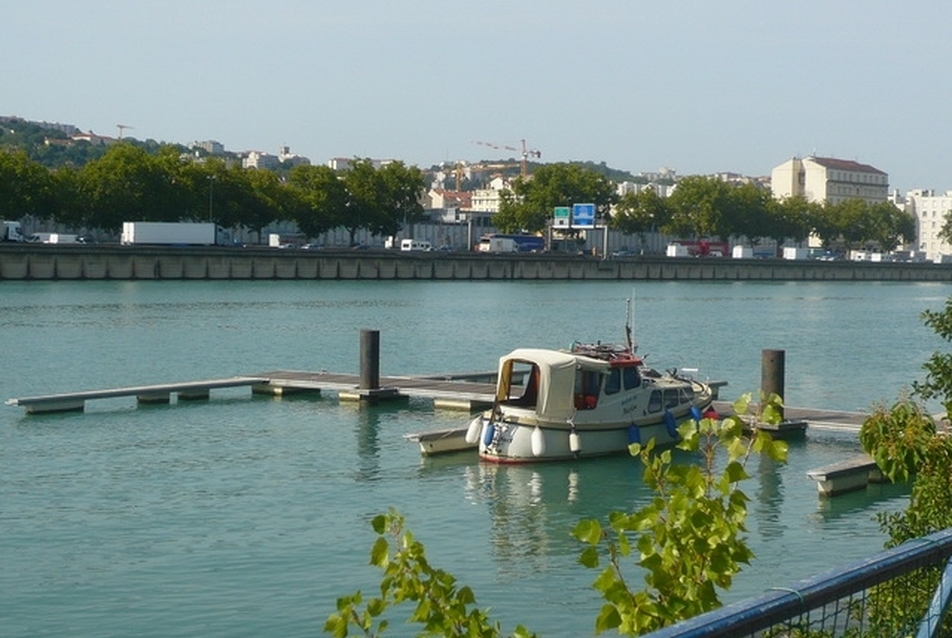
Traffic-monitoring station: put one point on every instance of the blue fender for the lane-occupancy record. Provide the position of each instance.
(634, 434)
(488, 434)
(671, 425)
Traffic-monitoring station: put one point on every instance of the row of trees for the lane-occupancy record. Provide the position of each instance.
(704, 207)
(130, 183)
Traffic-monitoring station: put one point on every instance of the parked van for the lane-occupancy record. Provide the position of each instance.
(415, 244)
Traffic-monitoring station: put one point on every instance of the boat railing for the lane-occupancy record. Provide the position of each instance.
(903, 591)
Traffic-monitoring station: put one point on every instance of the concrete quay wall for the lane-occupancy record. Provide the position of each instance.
(50, 262)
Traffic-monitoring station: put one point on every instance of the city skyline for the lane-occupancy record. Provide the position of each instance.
(703, 89)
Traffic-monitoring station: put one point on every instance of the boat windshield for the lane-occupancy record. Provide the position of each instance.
(522, 386)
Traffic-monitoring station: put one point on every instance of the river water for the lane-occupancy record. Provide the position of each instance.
(248, 516)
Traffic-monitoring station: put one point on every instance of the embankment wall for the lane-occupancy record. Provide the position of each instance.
(50, 262)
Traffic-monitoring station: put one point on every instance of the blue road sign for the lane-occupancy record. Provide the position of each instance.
(583, 215)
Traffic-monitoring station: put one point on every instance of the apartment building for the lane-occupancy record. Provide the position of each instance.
(827, 179)
(929, 209)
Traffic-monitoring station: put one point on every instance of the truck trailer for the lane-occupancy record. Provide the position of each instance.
(12, 231)
(172, 234)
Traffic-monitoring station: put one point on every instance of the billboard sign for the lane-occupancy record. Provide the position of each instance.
(562, 217)
(583, 216)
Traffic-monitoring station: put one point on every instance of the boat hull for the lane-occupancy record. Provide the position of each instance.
(502, 441)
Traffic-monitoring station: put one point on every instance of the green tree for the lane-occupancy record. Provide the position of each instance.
(904, 442)
(366, 197)
(26, 187)
(638, 213)
(690, 538)
(793, 218)
(127, 184)
(698, 208)
(319, 198)
(530, 204)
(889, 227)
(403, 190)
(749, 213)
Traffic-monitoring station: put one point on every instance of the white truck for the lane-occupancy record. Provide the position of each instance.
(498, 245)
(172, 234)
(55, 238)
(12, 231)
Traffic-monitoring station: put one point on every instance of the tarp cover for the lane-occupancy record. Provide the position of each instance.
(556, 378)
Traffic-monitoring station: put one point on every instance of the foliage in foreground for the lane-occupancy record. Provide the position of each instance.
(442, 607)
(907, 447)
(689, 540)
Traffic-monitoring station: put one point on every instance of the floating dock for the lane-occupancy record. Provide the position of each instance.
(470, 392)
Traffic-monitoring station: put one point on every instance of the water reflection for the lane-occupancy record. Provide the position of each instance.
(874, 498)
(532, 508)
(768, 498)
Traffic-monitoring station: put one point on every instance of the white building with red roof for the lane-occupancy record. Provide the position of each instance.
(827, 179)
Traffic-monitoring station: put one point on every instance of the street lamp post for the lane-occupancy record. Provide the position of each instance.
(211, 190)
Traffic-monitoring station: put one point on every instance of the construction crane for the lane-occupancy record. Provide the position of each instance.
(121, 128)
(526, 154)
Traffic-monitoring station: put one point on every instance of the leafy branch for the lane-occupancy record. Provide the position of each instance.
(442, 608)
(689, 538)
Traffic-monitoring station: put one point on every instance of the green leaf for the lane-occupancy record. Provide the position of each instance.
(588, 531)
(380, 553)
(379, 523)
(589, 557)
(608, 618)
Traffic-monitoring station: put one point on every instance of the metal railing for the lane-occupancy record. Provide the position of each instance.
(903, 591)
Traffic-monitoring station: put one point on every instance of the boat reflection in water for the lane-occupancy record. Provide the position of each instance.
(533, 508)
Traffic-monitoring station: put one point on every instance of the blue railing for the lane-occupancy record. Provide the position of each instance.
(903, 591)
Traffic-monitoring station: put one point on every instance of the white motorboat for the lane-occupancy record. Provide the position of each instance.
(589, 400)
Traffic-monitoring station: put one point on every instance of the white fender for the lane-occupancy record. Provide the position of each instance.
(538, 442)
(575, 443)
(472, 432)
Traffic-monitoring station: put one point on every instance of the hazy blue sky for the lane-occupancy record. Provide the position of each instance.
(698, 86)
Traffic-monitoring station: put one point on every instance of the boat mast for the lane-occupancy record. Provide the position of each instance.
(628, 320)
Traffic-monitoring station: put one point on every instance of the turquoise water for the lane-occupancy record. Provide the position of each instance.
(248, 516)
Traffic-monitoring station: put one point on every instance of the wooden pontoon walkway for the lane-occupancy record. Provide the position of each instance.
(465, 391)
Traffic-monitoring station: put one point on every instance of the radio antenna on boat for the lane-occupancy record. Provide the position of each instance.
(628, 320)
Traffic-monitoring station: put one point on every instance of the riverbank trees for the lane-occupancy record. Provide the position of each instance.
(128, 183)
(137, 183)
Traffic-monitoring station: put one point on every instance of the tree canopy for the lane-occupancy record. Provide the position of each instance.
(530, 204)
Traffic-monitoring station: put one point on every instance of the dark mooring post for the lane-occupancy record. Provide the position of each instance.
(369, 359)
(772, 373)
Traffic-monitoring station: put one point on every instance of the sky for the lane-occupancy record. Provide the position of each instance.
(699, 87)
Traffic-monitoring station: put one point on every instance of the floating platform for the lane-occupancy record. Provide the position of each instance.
(456, 391)
(160, 393)
(846, 476)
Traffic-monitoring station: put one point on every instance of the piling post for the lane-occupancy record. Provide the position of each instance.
(772, 363)
(369, 359)
(368, 389)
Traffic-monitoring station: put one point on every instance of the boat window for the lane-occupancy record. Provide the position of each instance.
(687, 395)
(523, 387)
(631, 377)
(654, 403)
(670, 397)
(613, 382)
(587, 387)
